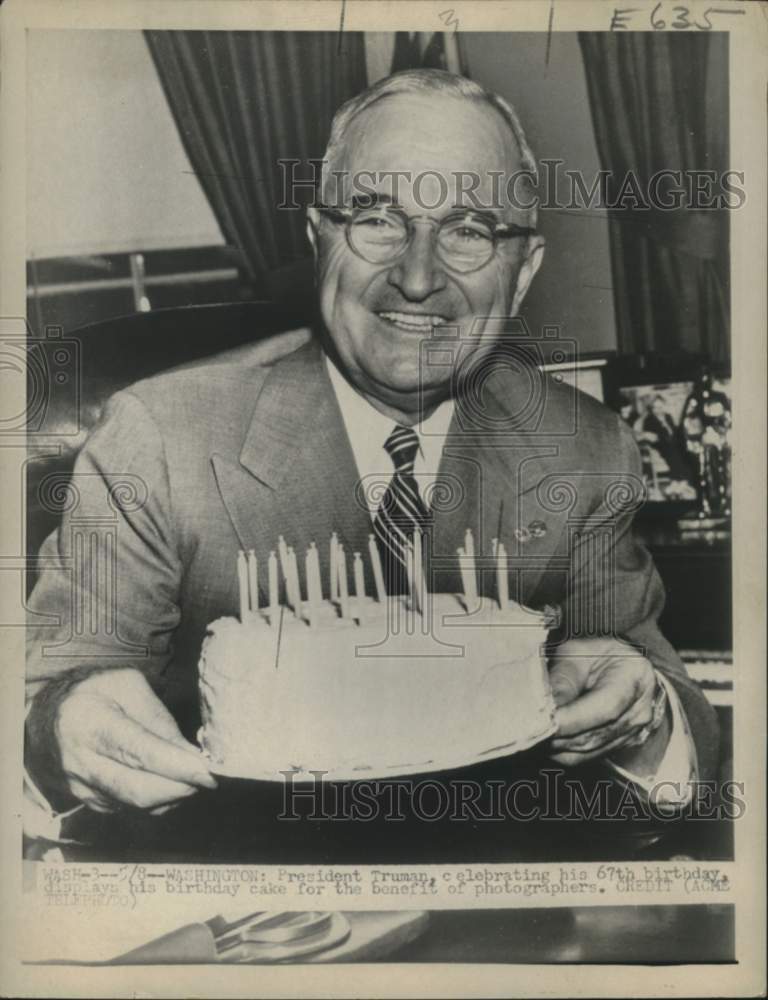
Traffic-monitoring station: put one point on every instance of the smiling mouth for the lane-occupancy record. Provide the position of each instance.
(412, 322)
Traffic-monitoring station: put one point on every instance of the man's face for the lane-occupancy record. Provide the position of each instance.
(379, 314)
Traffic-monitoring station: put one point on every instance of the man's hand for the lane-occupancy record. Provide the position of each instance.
(120, 745)
(604, 691)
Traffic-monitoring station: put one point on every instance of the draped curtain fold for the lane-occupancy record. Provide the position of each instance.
(242, 101)
(660, 102)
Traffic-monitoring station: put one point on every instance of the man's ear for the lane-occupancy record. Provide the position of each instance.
(313, 225)
(528, 269)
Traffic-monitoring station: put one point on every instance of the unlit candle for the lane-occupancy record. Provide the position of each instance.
(357, 568)
(503, 579)
(378, 573)
(334, 566)
(253, 581)
(242, 584)
(343, 585)
(272, 574)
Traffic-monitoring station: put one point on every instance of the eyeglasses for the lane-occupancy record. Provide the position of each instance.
(465, 240)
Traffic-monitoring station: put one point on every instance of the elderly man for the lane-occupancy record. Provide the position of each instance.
(275, 440)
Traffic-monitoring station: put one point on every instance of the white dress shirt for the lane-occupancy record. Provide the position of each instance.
(368, 429)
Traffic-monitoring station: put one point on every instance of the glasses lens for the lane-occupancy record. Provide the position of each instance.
(465, 242)
(378, 235)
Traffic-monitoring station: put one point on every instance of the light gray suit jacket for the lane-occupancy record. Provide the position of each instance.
(189, 466)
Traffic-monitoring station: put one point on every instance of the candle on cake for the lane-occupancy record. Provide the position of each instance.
(468, 580)
(357, 572)
(242, 585)
(274, 604)
(253, 581)
(334, 566)
(314, 586)
(502, 577)
(343, 584)
(378, 573)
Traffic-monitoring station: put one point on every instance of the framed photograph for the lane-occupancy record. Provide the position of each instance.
(680, 415)
(655, 414)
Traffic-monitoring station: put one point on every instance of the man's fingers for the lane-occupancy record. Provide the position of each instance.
(637, 715)
(126, 785)
(588, 751)
(126, 691)
(603, 698)
(571, 758)
(91, 797)
(131, 744)
(162, 810)
(565, 685)
(119, 744)
(598, 706)
(158, 720)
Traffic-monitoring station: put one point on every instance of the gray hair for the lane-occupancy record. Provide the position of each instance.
(413, 81)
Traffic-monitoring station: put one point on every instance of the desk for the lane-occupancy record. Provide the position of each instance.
(696, 572)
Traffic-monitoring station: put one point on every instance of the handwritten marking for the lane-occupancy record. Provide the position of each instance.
(341, 23)
(660, 20)
(448, 19)
(621, 17)
(549, 31)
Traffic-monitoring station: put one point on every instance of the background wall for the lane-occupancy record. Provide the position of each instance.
(107, 172)
(573, 288)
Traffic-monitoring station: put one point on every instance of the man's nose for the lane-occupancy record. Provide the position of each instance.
(418, 273)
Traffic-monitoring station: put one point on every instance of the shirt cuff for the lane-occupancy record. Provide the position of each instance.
(39, 820)
(671, 784)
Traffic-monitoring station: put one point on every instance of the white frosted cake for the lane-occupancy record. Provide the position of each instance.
(371, 688)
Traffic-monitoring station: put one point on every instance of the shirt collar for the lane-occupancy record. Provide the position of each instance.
(368, 429)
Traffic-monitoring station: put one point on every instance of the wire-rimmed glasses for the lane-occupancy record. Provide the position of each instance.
(465, 240)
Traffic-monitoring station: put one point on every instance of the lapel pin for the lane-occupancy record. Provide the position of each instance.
(536, 529)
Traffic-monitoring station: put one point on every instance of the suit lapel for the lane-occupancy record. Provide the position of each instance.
(295, 475)
(489, 481)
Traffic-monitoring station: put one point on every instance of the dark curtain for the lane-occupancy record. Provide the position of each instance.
(428, 50)
(660, 102)
(242, 101)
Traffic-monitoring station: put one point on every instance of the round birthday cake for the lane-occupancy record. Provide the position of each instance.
(357, 687)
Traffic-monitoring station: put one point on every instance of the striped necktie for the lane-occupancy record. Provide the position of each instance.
(401, 511)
